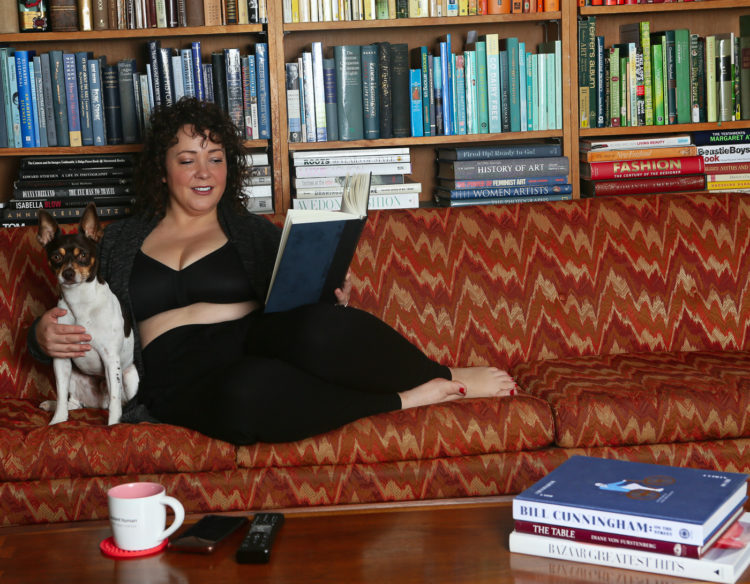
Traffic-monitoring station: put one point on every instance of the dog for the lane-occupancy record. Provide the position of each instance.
(106, 376)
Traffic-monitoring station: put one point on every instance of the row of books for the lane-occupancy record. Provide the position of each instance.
(76, 99)
(335, 10)
(715, 160)
(258, 189)
(623, 2)
(502, 174)
(320, 176)
(81, 15)
(662, 77)
(370, 91)
(64, 185)
(652, 518)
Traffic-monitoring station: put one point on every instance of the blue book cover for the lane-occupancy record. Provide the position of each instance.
(41, 103)
(684, 505)
(188, 72)
(35, 105)
(415, 85)
(531, 98)
(447, 81)
(25, 107)
(510, 45)
(483, 112)
(71, 93)
(15, 110)
(523, 85)
(437, 80)
(459, 91)
(7, 95)
(84, 96)
(197, 60)
(264, 104)
(97, 102)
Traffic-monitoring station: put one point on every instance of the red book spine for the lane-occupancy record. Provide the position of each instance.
(727, 168)
(597, 537)
(643, 168)
(642, 186)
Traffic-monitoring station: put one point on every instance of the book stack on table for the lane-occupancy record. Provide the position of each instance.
(502, 174)
(64, 185)
(258, 189)
(651, 518)
(319, 177)
(631, 166)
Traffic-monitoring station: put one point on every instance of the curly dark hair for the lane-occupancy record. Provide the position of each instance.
(208, 120)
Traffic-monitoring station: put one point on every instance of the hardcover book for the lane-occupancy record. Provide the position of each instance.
(642, 168)
(316, 249)
(682, 505)
(504, 168)
(719, 564)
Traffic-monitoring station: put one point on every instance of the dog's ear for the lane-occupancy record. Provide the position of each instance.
(48, 228)
(89, 224)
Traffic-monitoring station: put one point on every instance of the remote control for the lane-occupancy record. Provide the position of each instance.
(256, 546)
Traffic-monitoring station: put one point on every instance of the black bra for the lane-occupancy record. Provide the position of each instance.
(216, 277)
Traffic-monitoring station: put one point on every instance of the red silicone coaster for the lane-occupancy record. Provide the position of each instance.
(109, 548)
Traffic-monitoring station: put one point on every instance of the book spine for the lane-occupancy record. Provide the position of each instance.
(71, 94)
(351, 160)
(370, 92)
(112, 114)
(294, 120)
(386, 88)
(658, 84)
(62, 203)
(502, 200)
(503, 182)
(343, 170)
(126, 89)
(550, 547)
(187, 72)
(709, 137)
(638, 186)
(235, 102)
(153, 52)
(399, 88)
(23, 193)
(472, 169)
(517, 191)
(415, 80)
(483, 87)
(309, 89)
(499, 152)
(108, 212)
(349, 91)
(744, 67)
(195, 49)
(264, 103)
(84, 97)
(15, 110)
(650, 142)
(34, 103)
(319, 92)
(711, 89)
(644, 28)
(505, 98)
(638, 153)
(493, 83)
(376, 202)
(247, 112)
(41, 103)
(643, 168)
(724, 153)
(671, 76)
(329, 83)
(727, 167)
(25, 107)
(682, 75)
(725, 92)
(79, 162)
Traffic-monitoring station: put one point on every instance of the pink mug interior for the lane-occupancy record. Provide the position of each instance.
(135, 490)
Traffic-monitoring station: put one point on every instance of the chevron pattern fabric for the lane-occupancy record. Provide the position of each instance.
(624, 320)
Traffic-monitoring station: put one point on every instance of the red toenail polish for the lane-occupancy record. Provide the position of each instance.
(462, 390)
(512, 392)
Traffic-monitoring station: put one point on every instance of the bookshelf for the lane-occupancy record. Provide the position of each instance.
(533, 28)
(287, 40)
(704, 18)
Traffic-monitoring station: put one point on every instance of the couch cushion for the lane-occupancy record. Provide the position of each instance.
(621, 399)
(460, 428)
(85, 446)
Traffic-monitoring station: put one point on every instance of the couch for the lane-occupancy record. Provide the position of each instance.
(624, 320)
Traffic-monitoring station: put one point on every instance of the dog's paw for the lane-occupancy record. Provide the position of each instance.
(48, 406)
(59, 418)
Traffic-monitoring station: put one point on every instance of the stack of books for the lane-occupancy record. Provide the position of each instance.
(319, 177)
(630, 166)
(64, 185)
(651, 518)
(502, 174)
(726, 155)
(258, 189)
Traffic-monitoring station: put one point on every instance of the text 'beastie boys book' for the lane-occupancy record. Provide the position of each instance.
(316, 249)
(682, 505)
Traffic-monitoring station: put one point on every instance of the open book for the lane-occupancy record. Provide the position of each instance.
(316, 249)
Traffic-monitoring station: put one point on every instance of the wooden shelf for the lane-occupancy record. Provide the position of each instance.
(662, 7)
(667, 129)
(139, 33)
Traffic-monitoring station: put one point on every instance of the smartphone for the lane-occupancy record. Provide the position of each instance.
(205, 535)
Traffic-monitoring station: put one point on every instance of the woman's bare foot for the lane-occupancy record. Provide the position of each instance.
(433, 392)
(484, 381)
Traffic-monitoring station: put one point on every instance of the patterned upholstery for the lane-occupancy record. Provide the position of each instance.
(625, 321)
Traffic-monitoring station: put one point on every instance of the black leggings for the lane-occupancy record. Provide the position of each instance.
(282, 376)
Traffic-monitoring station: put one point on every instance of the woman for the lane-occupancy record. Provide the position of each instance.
(192, 268)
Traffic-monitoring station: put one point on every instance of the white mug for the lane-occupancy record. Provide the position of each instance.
(138, 515)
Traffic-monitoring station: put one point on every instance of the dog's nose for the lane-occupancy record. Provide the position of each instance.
(69, 274)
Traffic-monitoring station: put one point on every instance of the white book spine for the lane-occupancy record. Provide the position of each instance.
(332, 160)
(550, 547)
(299, 155)
(681, 140)
(343, 170)
(309, 100)
(612, 522)
(187, 72)
(377, 202)
(319, 92)
(337, 191)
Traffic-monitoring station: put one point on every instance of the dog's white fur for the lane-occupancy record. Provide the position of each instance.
(93, 306)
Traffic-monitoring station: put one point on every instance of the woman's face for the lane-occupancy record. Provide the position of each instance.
(196, 172)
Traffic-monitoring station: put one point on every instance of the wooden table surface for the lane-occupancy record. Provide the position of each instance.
(452, 543)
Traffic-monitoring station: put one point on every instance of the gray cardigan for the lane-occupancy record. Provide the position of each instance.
(256, 240)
